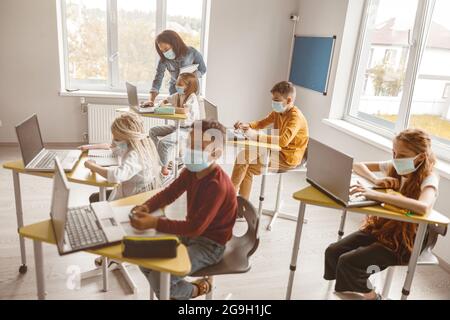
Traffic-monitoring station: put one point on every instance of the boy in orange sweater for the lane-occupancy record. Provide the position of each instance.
(292, 137)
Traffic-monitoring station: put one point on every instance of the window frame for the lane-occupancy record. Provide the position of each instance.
(417, 48)
(113, 80)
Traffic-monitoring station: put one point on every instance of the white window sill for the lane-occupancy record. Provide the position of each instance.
(380, 142)
(104, 94)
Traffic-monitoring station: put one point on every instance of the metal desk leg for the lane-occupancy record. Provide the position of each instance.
(127, 277)
(263, 185)
(277, 203)
(295, 249)
(102, 194)
(342, 225)
(420, 236)
(164, 286)
(19, 216)
(105, 263)
(39, 265)
(177, 149)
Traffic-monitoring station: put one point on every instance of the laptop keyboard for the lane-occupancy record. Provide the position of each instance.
(82, 228)
(357, 198)
(47, 162)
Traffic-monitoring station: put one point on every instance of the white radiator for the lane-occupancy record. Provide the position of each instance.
(100, 118)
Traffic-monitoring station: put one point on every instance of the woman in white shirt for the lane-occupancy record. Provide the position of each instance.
(138, 160)
(186, 102)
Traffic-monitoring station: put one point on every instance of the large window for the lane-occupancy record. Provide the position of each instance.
(108, 42)
(401, 73)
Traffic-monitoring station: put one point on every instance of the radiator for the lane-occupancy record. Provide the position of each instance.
(100, 118)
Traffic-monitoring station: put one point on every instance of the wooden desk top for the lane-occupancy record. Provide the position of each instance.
(254, 144)
(79, 174)
(180, 266)
(313, 196)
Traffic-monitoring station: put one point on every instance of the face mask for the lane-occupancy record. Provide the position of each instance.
(180, 90)
(405, 166)
(196, 160)
(278, 106)
(121, 145)
(169, 54)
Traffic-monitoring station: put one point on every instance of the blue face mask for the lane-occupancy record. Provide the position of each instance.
(196, 160)
(405, 166)
(169, 54)
(278, 106)
(180, 90)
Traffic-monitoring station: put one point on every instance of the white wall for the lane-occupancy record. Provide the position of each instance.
(328, 17)
(248, 53)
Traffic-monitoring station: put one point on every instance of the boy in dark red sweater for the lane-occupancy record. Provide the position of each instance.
(211, 209)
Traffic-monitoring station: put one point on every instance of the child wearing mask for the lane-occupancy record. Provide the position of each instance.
(292, 137)
(210, 216)
(185, 102)
(382, 242)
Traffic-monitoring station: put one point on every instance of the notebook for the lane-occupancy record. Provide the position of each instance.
(189, 69)
(104, 158)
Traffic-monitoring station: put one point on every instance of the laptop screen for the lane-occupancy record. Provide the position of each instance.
(329, 169)
(60, 201)
(30, 139)
(133, 100)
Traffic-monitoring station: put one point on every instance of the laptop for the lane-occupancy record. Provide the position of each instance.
(80, 228)
(35, 157)
(330, 171)
(133, 100)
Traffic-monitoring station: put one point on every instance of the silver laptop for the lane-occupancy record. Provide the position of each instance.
(330, 171)
(81, 228)
(35, 157)
(133, 100)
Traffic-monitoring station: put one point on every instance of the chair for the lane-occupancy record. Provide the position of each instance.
(276, 212)
(238, 250)
(426, 257)
(211, 112)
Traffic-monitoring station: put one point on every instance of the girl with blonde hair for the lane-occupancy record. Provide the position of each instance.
(138, 169)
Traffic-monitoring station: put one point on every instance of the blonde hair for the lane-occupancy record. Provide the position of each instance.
(130, 126)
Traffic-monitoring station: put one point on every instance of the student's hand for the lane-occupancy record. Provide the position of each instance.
(370, 194)
(251, 134)
(85, 147)
(388, 183)
(143, 221)
(241, 125)
(142, 208)
(147, 104)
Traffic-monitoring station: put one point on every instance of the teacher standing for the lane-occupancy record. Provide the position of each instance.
(174, 54)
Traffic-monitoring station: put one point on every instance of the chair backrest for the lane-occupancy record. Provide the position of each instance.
(433, 231)
(211, 112)
(251, 237)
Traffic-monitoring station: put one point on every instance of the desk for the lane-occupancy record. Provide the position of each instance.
(43, 232)
(267, 148)
(312, 196)
(177, 118)
(79, 174)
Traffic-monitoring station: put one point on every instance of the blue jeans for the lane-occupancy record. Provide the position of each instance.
(202, 252)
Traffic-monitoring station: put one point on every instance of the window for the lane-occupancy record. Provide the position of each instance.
(108, 42)
(402, 69)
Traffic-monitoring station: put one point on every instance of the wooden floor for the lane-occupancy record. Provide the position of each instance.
(270, 264)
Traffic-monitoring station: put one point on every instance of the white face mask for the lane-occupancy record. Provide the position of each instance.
(405, 166)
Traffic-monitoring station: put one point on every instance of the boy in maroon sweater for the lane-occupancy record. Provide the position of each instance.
(211, 209)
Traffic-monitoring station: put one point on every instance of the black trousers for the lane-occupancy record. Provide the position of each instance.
(352, 260)
(95, 197)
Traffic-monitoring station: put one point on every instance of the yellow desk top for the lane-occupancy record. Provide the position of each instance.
(156, 115)
(79, 174)
(180, 266)
(254, 144)
(311, 195)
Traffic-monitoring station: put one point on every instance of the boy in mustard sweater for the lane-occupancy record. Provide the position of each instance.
(292, 137)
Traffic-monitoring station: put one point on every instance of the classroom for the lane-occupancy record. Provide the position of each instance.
(224, 150)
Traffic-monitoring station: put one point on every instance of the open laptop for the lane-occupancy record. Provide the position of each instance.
(35, 157)
(80, 228)
(330, 171)
(133, 100)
